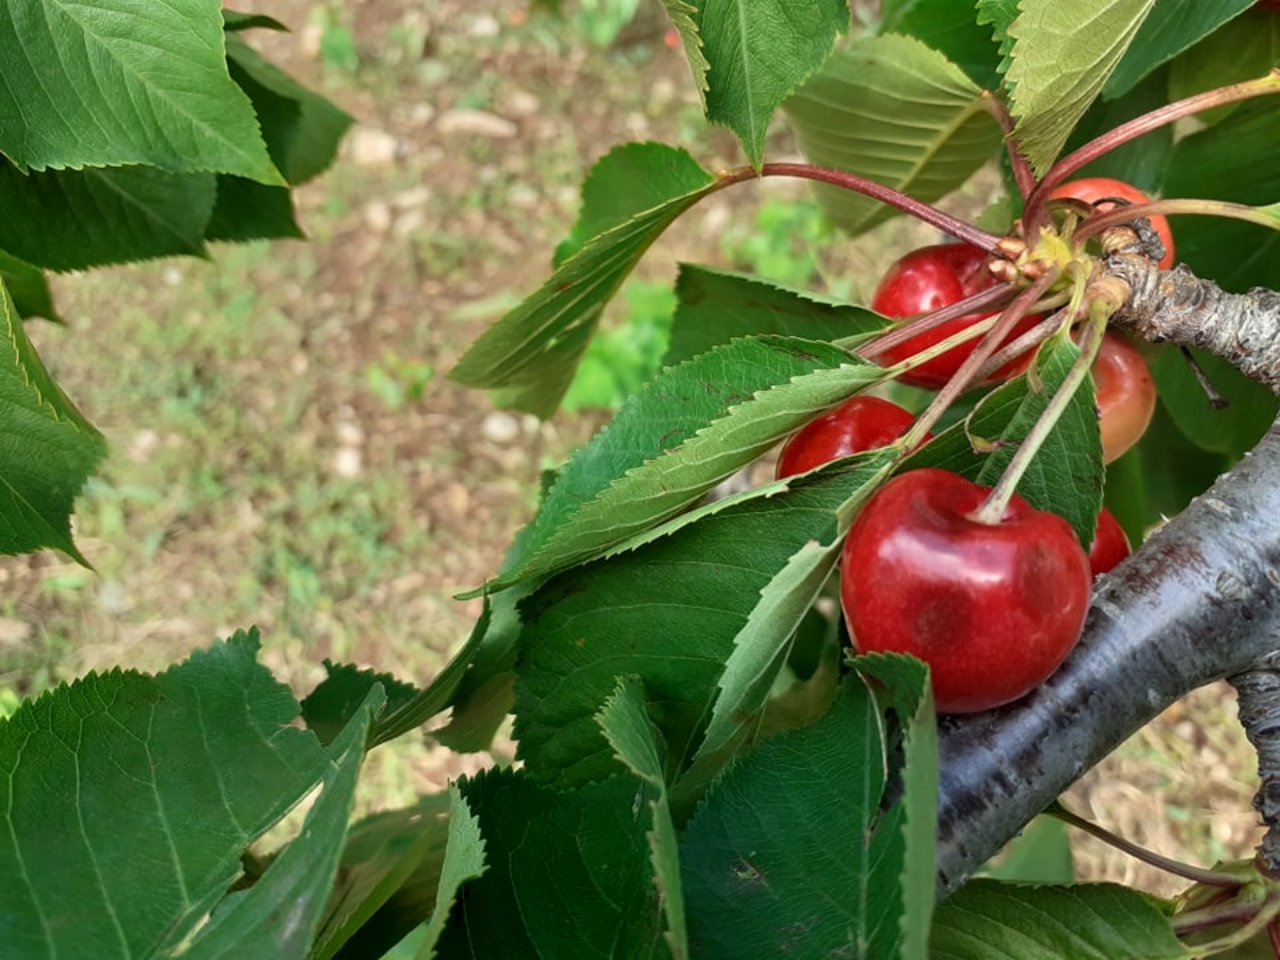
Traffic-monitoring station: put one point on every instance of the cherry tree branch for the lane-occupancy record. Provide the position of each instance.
(1176, 306)
(1200, 601)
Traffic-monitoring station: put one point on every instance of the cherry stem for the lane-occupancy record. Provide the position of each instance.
(1037, 335)
(966, 372)
(992, 509)
(1177, 205)
(953, 226)
(1273, 934)
(996, 296)
(1023, 175)
(1210, 878)
(1260, 917)
(1135, 128)
(1215, 915)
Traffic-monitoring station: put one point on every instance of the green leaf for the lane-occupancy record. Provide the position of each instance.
(1039, 854)
(987, 918)
(1174, 470)
(1250, 410)
(278, 917)
(245, 211)
(1066, 475)
(47, 448)
(387, 880)
(301, 128)
(683, 14)
(29, 288)
(627, 181)
(691, 427)
(667, 612)
(485, 693)
(532, 352)
(1242, 49)
(233, 21)
(1062, 55)
(999, 15)
(764, 643)
(716, 306)
(464, 860)
(1176, 26)
(1231, 160)
(624, 721)
(893, 110)
(910, 698)
(951, 29)
(568, 874)
(759, 53)
(108, 84)
(73, 219)
(337, 699)
(104, 781)
(780, 853)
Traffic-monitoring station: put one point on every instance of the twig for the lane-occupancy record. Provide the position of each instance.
(1258, 690)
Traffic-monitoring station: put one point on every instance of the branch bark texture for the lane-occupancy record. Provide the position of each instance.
(1200, 601)
(1176, 306)
(1258, 692)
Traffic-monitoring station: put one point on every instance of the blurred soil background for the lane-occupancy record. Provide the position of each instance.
(288, 452)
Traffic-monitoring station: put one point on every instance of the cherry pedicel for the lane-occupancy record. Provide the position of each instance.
(929, 279)
(993, 609)
(862, 423)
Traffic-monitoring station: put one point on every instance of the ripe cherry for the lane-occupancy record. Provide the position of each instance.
(862, 423)
(1094, 189)
(992, 608)
(1110, 545)
(929, 279)
(1126, 395)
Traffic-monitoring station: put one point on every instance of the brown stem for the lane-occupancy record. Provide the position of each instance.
(1176, 306)
(1023, 175)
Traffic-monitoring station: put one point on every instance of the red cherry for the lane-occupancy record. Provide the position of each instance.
(862, 423)
(992, 608)
(929, 279)
(1126, 395)
(1110, 545)
(1093, 189)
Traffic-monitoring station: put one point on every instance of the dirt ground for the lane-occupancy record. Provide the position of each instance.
(287, 448)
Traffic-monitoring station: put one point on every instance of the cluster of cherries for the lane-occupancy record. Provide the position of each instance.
(993, 608)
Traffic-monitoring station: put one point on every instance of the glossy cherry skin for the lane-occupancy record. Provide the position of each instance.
(993, 609)
(862, 423)
(1126, 395)
(929, 279)
(1093, 189)
(1110, 545)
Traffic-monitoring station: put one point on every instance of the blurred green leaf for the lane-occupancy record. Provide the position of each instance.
(1041, 853)
(336, 700)
(1175, 26)
(1244, 48)
(1140, 162)
(29, 288)
(47, 448)
(244, 211)
(987, 918)
(1062, 55)
(1231, 160)
(105, 783)
(891, 109)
